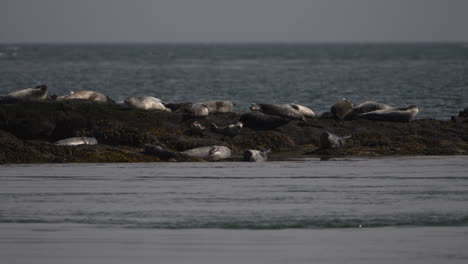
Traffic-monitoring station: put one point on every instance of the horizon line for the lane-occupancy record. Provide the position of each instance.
(225, 42)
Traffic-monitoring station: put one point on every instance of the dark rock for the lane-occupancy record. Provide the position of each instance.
(28, 127)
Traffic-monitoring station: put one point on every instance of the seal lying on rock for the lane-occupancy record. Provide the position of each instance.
(256, 155)
(281, 110)
(161, 153)
(219, 106)
(394, 114)
(305, 111)
(196, 110)
(260, 121)
(84, 95)
(75, 141)
(230, 130)
(209, 153)
(342, 108)
(146, 103)
(37, 93)
(175, 107)
(329, 140)
(368, 106)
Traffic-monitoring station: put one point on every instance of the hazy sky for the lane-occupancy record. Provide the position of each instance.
(232, 20)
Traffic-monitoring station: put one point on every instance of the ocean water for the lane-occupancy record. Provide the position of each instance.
(431, 76)
(353, 210)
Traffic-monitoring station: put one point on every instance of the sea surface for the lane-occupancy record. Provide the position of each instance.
(431, 76)
(343, 210)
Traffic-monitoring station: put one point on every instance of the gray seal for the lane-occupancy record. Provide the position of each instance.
(231, 130)
(209, 153)
(329, 140)
(305, 111)
(342, 108)
(84, 95)
(260, 121)
(37, 93)
(75, 141)
(393, 114)
(281, 110)
(219, 106)
(161, 153)
(146, 103)
(256, 155)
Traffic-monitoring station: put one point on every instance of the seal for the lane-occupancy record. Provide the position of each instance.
(392, 114)
(230, 130)
(256, 155)
(196, 110)
(146, 103)
(369, 106)
(305, 111)
(161, 153)
(366, 107)
(329, 140)
(281, 110)
(75, 141)
(209, 153)
(176, 107)
(260, 121)
(37, 93)
(219, 106)
(84, 95)
(342, 108)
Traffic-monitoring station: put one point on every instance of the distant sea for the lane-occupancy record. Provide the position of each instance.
(431, 76)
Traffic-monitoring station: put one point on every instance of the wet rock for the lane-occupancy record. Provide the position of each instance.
(28, 127)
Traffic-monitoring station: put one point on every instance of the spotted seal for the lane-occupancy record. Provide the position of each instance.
(218, 106)
(393, 114)
(329, 140)
(281, 110)
(37, 93)
(256, 155)
(342, 108)
(84, 95)
(305, 111)
(231, 130)
(161, 153)
(146, 103)
(196, 110)
(177, 107)
(209, 153)
(260, 121)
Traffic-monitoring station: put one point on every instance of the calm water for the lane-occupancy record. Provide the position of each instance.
(432, 76)
(366, 210)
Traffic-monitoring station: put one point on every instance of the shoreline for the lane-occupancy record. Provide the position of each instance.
(28, 128)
